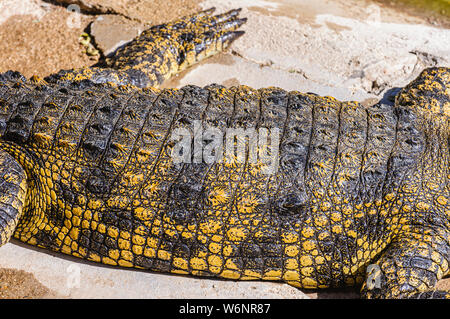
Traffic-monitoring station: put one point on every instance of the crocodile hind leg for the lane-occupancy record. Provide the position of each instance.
(163, 50)
(409, 268)
(167, 49)
(13, 189)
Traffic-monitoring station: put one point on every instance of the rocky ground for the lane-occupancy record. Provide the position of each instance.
(350, 49)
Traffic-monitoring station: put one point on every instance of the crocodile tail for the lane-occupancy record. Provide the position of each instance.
(164, 50)
(13, 190)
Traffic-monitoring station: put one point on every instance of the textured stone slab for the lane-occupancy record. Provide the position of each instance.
(69, 277)
(140, 10)
(112, 31)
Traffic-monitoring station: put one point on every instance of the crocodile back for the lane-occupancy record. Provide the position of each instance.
(107, 189)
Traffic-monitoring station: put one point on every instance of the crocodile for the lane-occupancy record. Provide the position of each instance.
(359, 195)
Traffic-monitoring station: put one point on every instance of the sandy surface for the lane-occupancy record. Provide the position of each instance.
(353, 50)
(41, 38)
(40, 42)
(21, 284)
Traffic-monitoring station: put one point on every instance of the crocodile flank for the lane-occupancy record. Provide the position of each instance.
(356, 195)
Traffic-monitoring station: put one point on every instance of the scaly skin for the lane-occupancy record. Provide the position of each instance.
(162, 51)
(355, 187)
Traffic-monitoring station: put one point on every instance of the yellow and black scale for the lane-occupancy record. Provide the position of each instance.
(87, 170)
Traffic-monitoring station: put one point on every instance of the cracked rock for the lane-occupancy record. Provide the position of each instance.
(144, 11)
(112, 31)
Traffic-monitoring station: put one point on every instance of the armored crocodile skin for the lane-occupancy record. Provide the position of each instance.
(360, 195)
(162, 51)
